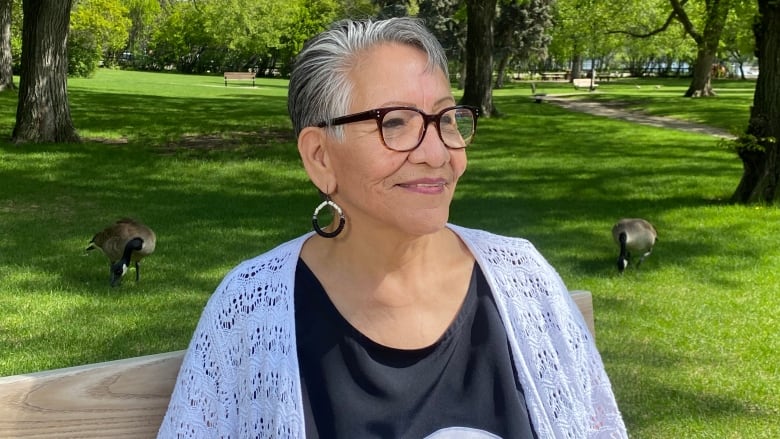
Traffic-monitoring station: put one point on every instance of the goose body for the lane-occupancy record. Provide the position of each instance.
(634, 236)
(125, 242)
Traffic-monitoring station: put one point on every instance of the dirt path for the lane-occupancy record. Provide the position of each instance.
(616, 112)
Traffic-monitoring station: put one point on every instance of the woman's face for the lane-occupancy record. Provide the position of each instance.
(381, 190)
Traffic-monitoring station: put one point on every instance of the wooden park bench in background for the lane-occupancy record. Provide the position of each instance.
(583, 83)
(246, 76)
(116, 399)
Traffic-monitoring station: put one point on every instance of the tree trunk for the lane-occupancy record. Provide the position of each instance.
(6, 60)
(716, 14)
(758, 149)
(701, 83)
(479, 56)
(501, 70)
(43, 112)
(576, 66)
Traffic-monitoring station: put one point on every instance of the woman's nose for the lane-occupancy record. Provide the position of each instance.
(431, 150)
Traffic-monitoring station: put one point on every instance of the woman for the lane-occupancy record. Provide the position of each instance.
(390, 322)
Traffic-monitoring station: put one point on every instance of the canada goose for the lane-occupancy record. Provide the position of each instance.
(124, 242)
(633, 235)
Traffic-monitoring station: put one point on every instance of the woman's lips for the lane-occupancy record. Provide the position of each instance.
(425, 185)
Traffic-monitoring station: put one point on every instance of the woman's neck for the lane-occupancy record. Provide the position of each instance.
(401, 293)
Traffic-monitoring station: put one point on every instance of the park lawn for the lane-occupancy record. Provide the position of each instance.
(665, 97)
(690, 341)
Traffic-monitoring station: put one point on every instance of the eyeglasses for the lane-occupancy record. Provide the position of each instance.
(403, 128)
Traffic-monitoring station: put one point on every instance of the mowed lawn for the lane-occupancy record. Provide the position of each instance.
(690, 341)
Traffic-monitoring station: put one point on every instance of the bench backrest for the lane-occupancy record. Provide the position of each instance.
(239, 75)
(582, 82)
(123, 398)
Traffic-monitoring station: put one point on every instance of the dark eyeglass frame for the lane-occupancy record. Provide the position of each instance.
(378, 114)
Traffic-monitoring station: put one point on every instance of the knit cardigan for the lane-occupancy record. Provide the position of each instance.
(240, 377)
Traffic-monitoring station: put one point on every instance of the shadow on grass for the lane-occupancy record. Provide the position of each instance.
(651, 397)
(153, 119)
(563, 179)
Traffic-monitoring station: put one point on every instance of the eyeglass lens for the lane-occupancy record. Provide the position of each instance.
(404, 129)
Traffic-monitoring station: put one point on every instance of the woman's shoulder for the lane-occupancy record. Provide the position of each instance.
(493, 250)
(489, 241)
(277, 259)
(252, 276)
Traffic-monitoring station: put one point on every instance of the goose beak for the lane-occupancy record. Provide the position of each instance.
(117, 273)
(622, 263)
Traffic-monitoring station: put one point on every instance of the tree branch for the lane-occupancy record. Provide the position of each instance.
(649, 34)
(682, 16)
(678, 13)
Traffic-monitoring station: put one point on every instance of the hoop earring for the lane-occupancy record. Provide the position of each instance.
(336, 209)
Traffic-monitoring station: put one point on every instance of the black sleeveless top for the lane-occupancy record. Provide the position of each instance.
(356, 388)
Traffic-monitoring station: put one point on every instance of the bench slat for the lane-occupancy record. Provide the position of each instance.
(116, 399)
(583, 83)
(240, 76)
(124, 398)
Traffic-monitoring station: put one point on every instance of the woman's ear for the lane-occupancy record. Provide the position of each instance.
(313, 148)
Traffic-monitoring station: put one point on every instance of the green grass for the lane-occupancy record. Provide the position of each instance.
(664, 97)
(690, 341)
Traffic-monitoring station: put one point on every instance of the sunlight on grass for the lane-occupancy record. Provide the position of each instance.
(689, 340)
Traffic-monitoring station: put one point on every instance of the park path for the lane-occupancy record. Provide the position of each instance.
(615, 111)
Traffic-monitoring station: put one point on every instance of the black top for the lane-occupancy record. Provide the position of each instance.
(356, 388)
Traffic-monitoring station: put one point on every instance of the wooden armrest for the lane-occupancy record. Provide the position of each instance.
(584, 301)
(123, 398)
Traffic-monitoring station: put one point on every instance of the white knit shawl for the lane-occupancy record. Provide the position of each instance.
(239, 378)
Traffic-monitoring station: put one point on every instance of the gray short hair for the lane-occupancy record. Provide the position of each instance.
(319, 85)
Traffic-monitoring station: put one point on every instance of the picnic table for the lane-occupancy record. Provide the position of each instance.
(554, 76)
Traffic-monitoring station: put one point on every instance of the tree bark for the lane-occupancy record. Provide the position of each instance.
(479, 56)
(43, 112)
(576, 65)
(758, 148)
(6, 60)
(701, 83)
(501, 70)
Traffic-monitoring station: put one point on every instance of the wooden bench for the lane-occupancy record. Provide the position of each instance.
(245, 76)
(124, 398)
(583, 83)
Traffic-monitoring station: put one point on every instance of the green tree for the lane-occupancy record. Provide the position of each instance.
(578, 33)
(738, 42)
(645, 45)
(98, 30)
(703, 21)
(143, 16)
(251, 29)
(522, 32)
(447, 20)
(357, 8)
(707, 38)
(181, 40)
(567, 41)
(310, 18)
(43, 111)
(393, 8)
(758, 148)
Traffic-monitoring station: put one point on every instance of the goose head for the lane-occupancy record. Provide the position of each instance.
(119, 268)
